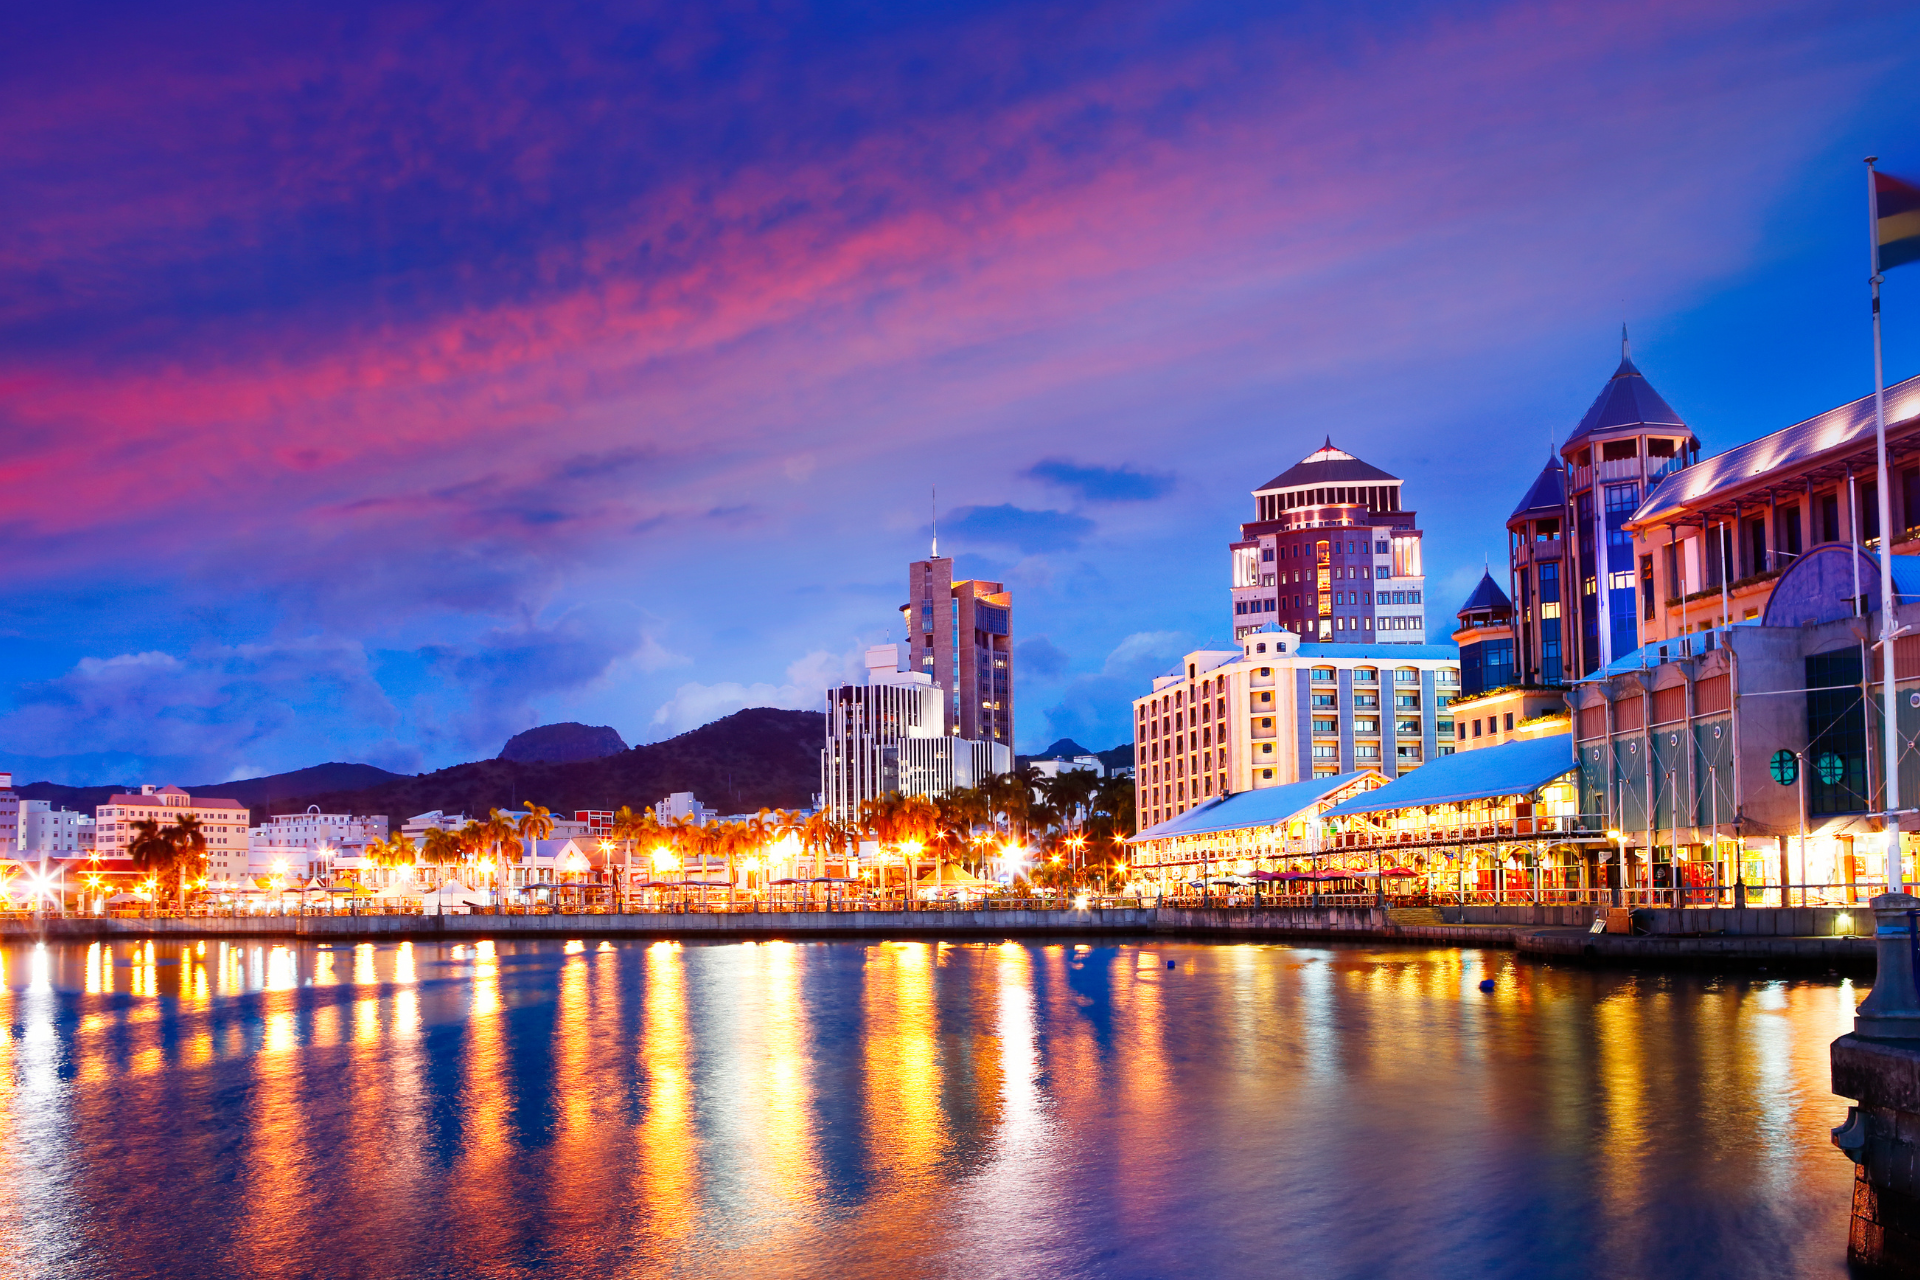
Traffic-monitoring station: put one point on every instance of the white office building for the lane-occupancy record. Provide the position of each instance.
(889, 734)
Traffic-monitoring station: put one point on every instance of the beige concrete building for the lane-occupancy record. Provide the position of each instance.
(224, 822)
(1276, 711)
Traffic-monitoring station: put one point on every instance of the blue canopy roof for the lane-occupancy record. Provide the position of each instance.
(1511, 769)
(1549, 491)
(1261, 807)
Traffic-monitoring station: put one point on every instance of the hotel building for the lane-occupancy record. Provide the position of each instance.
(309, 843)
(1277, 710)
(1330, 556)
(960, 636)
(222, 821)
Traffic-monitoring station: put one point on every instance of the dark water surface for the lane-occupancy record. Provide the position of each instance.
(907, 1109)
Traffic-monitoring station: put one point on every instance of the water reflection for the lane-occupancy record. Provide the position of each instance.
(906, 1108)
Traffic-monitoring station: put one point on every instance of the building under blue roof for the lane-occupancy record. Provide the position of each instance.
(1380, 652)
(1627, 402)
(1548, 494)
(1262, 807)
(1834, 434)
(1512, 769)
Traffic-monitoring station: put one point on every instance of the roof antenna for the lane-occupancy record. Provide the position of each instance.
(1624, 352)
(936, 521)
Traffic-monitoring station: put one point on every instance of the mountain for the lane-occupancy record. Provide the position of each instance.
(1119, 757)
(565, 743)
(752, 759)
(257, 793)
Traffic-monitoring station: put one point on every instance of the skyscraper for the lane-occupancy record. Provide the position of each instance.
(1331, 556)
(961, 634)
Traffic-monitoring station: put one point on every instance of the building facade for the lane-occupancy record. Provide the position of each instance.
(222, 821)
(1277, 711)
(308, 843)
(47, 832)
(9, 817)
(960, 636)
(889, 734)
(1717, 537)
(1330, 555)
(1538, 571)
(1485, 636)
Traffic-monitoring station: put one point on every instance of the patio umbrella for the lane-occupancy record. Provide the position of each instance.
(1400, 872)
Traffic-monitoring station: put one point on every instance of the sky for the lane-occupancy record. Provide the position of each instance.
(379, 381)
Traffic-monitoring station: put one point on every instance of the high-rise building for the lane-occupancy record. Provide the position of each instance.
(1331, 556)
(223, 823)
(960, 635)
(1629, 441)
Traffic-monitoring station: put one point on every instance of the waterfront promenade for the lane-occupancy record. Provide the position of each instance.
(1811, 936)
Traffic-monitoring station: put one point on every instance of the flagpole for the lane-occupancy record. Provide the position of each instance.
(1890, 762)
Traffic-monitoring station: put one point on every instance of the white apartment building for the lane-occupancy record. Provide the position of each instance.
(682, 806)
(416, 827)
(306, 842)
(47, 832)
(222, 821)
(1076, 764)
(1277, 710)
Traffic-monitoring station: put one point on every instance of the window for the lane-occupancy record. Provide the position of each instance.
(1622, 498)
(1366, 675)
(1323, 675)
(1406, 675)
(1325, 700)
(1326, 726)
(1646, 586)
(1366, 726)
(1407, 728)
(1463, 730)
(1476, 728)
(1326, 751)
(1366, 700)
(1509, 723)
(1619, 450)
(1408, 701)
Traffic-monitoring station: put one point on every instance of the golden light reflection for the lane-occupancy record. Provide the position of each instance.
(669, 1154)
(403, 964)
(902, 1064)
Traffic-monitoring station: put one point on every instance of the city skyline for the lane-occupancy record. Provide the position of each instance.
(377, 408)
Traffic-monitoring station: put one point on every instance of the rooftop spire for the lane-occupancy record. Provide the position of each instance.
(936, 522)
(1625, 353)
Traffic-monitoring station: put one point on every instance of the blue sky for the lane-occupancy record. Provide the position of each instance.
(379, 381)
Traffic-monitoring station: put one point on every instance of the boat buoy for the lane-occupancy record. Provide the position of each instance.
(1486, 984)
(1169, 964)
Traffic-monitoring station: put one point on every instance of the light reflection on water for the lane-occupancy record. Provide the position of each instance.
(906, 1108)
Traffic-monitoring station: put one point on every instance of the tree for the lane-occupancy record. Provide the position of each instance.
(153, 851)
(500, 843)
(439, 847)
(630, 827)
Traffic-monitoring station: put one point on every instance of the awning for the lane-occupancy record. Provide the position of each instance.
(1511, 769)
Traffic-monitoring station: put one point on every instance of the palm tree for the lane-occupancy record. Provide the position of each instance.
(501, 842)
(153, 852)
(439, 847)
(630, 827)
(190, 853)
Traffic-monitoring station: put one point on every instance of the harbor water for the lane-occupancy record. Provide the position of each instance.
(886, 1109)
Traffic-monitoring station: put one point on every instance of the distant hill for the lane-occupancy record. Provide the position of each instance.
(565, 743)
(256, 793)
(752, 759)
(1119, 757)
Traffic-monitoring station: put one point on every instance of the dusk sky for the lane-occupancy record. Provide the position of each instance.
(376, 382)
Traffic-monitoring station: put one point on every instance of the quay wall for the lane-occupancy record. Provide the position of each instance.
(1806, 937)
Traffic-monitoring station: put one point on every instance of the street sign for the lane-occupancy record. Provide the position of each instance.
(1784, 768)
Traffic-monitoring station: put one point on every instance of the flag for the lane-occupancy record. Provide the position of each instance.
(1896, 207)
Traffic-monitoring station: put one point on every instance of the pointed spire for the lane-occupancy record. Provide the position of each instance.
(936, 521)
(1625, 352)
(1329, 443)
